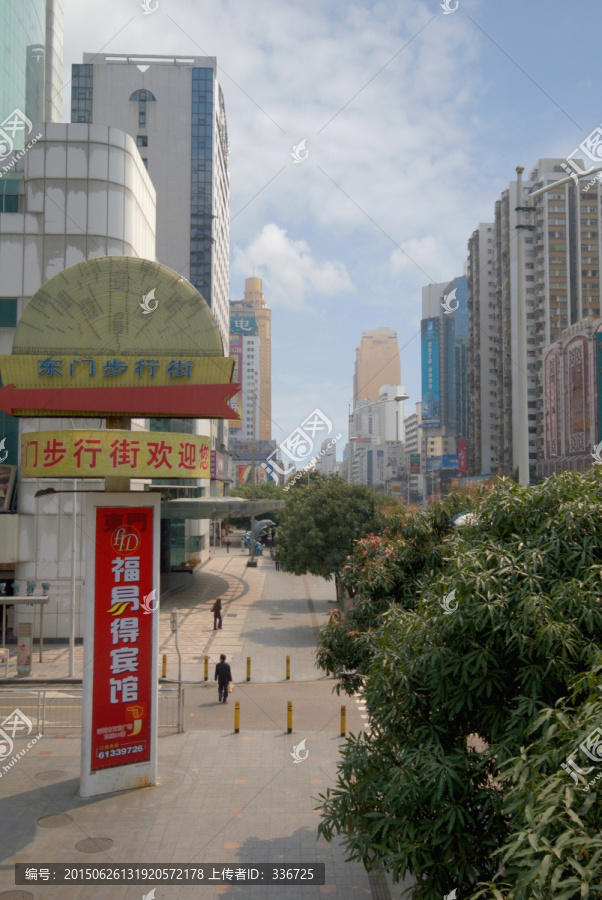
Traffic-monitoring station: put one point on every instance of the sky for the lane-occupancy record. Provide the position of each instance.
(414, 121)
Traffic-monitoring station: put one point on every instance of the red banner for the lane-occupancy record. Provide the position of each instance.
(123, 637)
(462, 461)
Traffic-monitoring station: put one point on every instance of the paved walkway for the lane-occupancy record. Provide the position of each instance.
(266, 619)
(223, 798)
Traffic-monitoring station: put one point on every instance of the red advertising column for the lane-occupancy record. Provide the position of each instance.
(120, 643)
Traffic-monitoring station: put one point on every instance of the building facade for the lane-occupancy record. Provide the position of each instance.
(445, 397)
(31, 49)
(376, 363)
(483, 418)
(572, 410)
(251, 316)
(176, 114)
(83, 192)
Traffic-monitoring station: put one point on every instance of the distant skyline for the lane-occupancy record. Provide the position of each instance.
(413, 123)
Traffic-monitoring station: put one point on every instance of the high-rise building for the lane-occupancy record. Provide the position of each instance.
(327, 463)
(376, 363)
(483, 417)
(412, 450)
(31, 48)
(562, 263)
(253, 311)
(444, 350)
(245, 348)
(175, 112)
(174, 109)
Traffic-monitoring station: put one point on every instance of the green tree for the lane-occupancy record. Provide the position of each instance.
(455, 692)
(321, 523)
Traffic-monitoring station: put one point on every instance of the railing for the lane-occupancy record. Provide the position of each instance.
(56, 711)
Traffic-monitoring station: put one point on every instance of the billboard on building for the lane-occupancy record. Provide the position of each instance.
(431, 388)
(102, 453)
(242, 324)
(413, 463)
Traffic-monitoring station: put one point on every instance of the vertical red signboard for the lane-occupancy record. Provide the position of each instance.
(462, 469)
(123, 636)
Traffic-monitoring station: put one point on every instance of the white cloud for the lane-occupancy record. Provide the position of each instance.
(290, 272)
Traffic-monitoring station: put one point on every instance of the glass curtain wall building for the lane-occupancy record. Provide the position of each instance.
(31, 60)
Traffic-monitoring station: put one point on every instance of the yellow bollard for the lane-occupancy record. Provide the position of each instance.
(289, 718)
(343, 720)
(288, 668)
(248, 668)
(236, 717)
(206, 668)
(164, 667)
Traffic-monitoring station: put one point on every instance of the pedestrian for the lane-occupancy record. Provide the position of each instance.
(216, 609)
(228, 542)
(223, 676)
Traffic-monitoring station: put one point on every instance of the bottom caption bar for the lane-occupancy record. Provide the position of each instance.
(216, 873)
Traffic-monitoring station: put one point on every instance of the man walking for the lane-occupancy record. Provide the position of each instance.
(216, 609)
(223, 676)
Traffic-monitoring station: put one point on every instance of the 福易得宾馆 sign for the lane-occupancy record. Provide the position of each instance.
(123, 635)
(98, 454)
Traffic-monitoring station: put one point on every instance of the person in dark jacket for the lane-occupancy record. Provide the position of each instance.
(223, 676)
(216, 609)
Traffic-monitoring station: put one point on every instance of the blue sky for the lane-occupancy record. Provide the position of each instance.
(414, 123)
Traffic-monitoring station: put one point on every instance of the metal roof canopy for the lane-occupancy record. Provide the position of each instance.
(216, 507)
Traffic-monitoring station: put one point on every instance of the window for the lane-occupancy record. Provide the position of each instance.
(8, 313)
(142, 140)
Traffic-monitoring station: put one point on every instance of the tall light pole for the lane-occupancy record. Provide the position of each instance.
(251, 561)
(523, 408)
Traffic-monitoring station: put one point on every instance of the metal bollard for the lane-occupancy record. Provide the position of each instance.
(289, 717)
(236, 717)
(248, 668)
(343, 720)
(206, 668)
(164, 667)
(288, 668)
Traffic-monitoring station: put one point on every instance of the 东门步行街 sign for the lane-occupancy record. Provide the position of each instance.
(98, 454)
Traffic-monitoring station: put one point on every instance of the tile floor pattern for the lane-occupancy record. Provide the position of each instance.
(220, 800)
